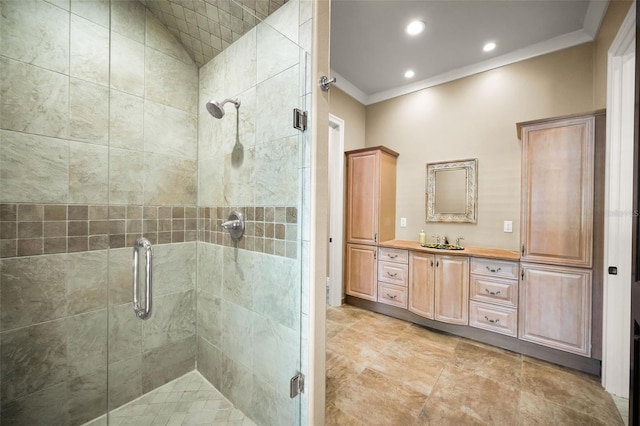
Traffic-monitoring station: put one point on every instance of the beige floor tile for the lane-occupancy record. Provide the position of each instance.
(493, 363)
(536, 411)
(374, 378)
(377, 400)
(460, 397)
(336, 417)
(415, 370)
(570, 389)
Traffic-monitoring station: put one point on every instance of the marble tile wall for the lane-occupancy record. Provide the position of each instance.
(98, 140)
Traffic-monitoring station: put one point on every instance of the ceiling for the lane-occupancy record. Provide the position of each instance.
(206, 27)
(370, 50)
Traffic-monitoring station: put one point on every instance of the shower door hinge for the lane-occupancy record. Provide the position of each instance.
(296, 386)
(299, 119)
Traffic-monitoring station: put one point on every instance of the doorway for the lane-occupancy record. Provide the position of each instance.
(336, 209)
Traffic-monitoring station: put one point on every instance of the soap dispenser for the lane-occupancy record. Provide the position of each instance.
(422, 237)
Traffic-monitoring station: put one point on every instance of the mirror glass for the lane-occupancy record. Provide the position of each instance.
(451, 191)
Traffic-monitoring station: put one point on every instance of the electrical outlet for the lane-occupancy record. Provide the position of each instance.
(508, 226)
(403, 222)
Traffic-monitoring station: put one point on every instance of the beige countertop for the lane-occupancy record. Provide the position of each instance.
(489, 253)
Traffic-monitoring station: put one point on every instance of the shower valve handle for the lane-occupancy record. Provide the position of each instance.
(231, 224)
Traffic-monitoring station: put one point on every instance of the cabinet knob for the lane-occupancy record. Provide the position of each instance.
(492, 321)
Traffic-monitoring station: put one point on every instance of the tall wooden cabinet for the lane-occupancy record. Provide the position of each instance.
(557, 229)
(370, 215)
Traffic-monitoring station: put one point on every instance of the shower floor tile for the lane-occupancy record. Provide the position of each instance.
(188, 400)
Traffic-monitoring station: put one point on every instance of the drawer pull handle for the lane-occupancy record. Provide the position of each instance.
(495, 321)
(395, 274)
(493, 270)
(392, 297)
(392, 256)
(493, 293)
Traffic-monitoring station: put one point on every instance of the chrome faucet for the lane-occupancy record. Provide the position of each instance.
(437, 237)
(458, 241)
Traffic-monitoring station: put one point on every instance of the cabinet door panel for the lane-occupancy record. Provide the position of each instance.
(361, 272)
(362, 197)
(421, 285)
(452, 289)
(555, 307)
(557, 192)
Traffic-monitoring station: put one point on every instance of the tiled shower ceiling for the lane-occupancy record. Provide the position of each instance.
(206, 27)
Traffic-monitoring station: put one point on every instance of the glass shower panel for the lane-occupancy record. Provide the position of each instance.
(252, 290)
(54, 211)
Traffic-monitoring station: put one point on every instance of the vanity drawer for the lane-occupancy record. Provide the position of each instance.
(393, 255)
(393, 273)
(493, 318)
(494, 268)
(392, 295)
(494, 290)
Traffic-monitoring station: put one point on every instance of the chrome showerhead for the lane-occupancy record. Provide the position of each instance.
(216, 109)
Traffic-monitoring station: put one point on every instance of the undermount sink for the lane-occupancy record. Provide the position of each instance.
(443, 246)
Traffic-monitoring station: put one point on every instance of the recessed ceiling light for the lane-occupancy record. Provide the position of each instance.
(409, 74)
(415, 27)
(489, 47)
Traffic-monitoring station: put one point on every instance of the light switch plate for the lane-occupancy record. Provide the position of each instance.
(508, 226)
(403, 222)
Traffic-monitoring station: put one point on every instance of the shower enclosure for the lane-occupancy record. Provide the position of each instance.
(105, 137)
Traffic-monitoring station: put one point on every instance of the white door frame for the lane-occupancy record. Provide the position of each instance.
(336, 207)
(619, 208)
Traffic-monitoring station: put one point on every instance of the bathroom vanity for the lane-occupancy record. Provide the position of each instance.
(543, 300)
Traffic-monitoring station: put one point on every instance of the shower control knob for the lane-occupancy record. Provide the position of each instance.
(231, 224)
(235, 225)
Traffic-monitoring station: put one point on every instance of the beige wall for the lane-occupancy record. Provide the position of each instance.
(616, 13)
(475, 117)
(353, 113)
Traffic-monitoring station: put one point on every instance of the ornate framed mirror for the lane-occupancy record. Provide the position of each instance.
(451, 191)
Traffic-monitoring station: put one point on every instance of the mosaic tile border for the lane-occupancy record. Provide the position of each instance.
(38, 229)
(270, 230)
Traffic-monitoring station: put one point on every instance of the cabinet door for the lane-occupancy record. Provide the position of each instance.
(421, 285)
(361, 272)
(363, 185)
(452, 289)
(555, 307)
(557, 192)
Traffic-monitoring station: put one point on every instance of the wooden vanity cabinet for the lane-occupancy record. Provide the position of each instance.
(393, 277)
(361, 268)
(452, 289)
(422, 284)
(370, 195)
(494, 295)
(555, 307)
(439, 287)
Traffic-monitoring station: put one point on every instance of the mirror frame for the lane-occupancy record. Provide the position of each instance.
(470, 216)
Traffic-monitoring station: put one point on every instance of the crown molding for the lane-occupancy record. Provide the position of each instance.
(350, 89)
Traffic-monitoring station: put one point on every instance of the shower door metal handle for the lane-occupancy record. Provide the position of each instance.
(142, 312)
